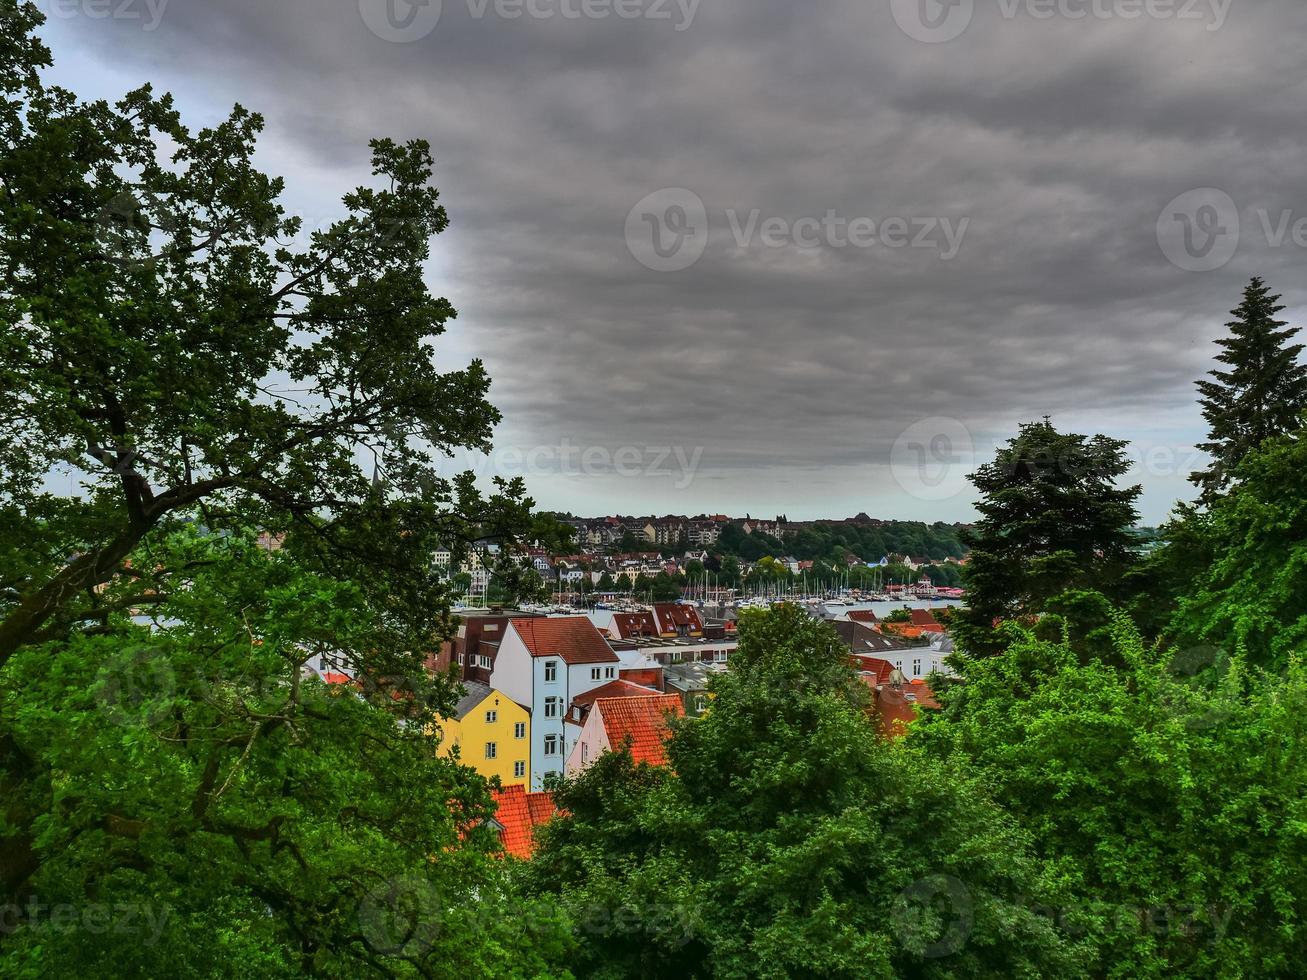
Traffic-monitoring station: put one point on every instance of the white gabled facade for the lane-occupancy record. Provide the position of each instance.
(537, 674)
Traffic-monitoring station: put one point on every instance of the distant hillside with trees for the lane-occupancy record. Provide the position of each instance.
(832, 541)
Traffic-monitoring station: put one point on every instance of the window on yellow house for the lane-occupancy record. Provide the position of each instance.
(492, 717)
(519, 730)
(492, 750)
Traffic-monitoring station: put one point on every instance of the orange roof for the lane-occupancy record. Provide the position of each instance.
(573, 638)
(926, 618)
(613, 689)
(880, 668)
(904, 630)
(641, 720)
(518, 816)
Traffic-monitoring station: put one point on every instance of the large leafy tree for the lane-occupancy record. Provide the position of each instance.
(1245, 597)
(166, 342)
(1052, 518)
(166, 345)
(1162, 786)
(1262, 391)
(788, 840)
(205, 810)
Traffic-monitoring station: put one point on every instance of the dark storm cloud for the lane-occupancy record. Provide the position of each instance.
(1053, 143)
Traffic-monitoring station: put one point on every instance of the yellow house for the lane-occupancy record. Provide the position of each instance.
(492, 733)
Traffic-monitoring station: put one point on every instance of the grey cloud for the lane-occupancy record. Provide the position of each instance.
(1060, 142)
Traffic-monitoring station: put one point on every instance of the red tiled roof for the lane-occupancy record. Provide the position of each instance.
(519, 814)
(648, 676)
(613, 689)
(905, 630)
(898, 707)
(635, 624)
(861, 616)
(335, 678)
(881, 668)
(924, 617)
(641, 720)
(673, 614)
(574, 639)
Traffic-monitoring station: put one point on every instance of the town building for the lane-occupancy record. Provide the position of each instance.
(639, 724)
(518, 814)
(677, 619)
(544, 664)
(689, 683)
(491, 732)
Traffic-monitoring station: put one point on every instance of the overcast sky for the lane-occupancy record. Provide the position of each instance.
(767, 255)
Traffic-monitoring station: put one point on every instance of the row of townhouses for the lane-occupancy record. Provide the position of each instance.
(563, 691)
(538, 686)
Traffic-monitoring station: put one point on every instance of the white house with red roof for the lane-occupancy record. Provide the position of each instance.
(544, 665)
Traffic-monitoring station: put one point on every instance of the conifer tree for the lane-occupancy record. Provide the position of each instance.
(1261, 394)
(1052, 519)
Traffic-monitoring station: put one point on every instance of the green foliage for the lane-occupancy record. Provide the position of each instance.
(1247, 595)
(664, 588)
(829, 541)
(1052, 519)
(1162, 788)
(792, 841)
(1262, 394)
(167, 343)
(232, 817)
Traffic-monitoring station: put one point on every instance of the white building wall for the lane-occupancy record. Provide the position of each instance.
(521, 677)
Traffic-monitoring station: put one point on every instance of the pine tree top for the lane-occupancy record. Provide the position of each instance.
(1264, 392)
